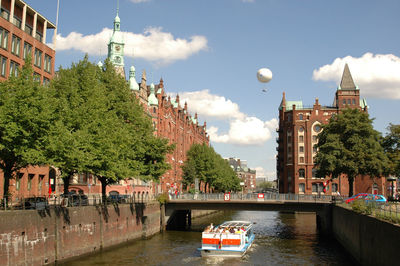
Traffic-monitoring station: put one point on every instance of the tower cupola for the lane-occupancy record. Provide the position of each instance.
(133, 85)
(152, 100)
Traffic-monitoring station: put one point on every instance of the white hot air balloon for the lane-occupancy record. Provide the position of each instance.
(264, 75)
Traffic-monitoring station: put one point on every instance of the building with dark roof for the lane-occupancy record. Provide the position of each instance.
(299, 126)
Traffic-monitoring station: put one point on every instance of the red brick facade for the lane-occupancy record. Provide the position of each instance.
(23, 31)
(173, 122)
(298, 130)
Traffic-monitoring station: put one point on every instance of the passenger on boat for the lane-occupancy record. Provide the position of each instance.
(231, 230)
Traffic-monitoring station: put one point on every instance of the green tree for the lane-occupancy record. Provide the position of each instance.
(25, 120)
(349, 145)
(209, 167)
(391, 145)
(103, 126)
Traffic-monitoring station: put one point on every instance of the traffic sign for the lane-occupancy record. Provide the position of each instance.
(227, 196)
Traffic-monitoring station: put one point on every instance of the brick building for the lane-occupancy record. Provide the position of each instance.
(298, 129)
(23, 32)
(170, 120)
(246, 175)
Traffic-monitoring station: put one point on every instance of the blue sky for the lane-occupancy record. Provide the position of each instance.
(209, 51)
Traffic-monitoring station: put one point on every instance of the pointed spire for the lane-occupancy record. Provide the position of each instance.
(283, 102)
(161, 85)
(347, 82)
(185, 105)
(177, 98)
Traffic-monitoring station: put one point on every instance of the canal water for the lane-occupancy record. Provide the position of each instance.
(281, 239)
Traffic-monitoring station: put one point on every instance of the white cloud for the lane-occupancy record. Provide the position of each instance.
(262, 173)
(377, 76)
(210, 105)
(153, 45)
(243, 129)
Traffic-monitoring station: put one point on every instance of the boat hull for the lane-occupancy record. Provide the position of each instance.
(225, 252)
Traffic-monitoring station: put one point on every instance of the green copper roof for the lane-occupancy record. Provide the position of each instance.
(152, 100)
(133, 85)
(194, 120)
(174, 103)
(298, 104)
(159, 91)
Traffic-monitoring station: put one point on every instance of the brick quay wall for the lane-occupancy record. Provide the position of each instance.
(33, 237)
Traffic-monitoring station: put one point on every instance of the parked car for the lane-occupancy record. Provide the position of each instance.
(37, 203)
(375, 198)
(118, 198)
(73, 199)
(367, 197)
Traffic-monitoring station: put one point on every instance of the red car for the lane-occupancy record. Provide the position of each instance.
(357, 196)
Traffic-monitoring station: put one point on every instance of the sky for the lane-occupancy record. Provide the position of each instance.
(209, 52)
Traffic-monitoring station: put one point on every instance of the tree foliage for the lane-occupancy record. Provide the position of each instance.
(25, 119)
(101, 128)
(391, 145)
(349, 145)
(209, 167)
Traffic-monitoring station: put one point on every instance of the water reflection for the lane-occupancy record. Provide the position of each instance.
(281, 239)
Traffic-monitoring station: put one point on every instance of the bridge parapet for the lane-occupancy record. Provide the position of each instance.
(256, 197)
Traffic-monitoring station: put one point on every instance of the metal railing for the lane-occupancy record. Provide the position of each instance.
(255, 197)
(71, 200)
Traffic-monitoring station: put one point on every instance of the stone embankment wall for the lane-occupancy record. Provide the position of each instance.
(39, 237)
(370, 240)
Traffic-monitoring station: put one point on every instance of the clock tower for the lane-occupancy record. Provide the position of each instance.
(116, 47)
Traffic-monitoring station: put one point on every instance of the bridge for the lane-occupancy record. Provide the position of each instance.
(178, 210)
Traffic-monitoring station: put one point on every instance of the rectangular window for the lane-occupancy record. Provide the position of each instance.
(17, 22)
(28, 29)
(302, 159)
(46, 81)
(14, 68)
(314, 138)
(40, 184)
(36, 77)
(314, 187)
(3, 38)
(302, 187)
(27, 50)
(15, 45)
(5, 14)
(47, 63)
(301, 139)
(39, 36)
(30, 177)
(301, 149)
(38, 58)
(3, 65)
(18, 181)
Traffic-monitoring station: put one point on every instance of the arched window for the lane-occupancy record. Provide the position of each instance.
(354, 101)
(300, 116)
(344, 102)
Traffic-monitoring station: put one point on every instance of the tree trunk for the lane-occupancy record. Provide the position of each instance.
(103, 181)
(8, 174)
(351, 183)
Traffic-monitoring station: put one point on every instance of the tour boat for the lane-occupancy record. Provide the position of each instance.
(229, 239)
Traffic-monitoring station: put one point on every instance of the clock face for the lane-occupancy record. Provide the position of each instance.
(117, 47)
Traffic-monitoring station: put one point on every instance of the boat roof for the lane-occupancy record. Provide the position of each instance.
(244, 224)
